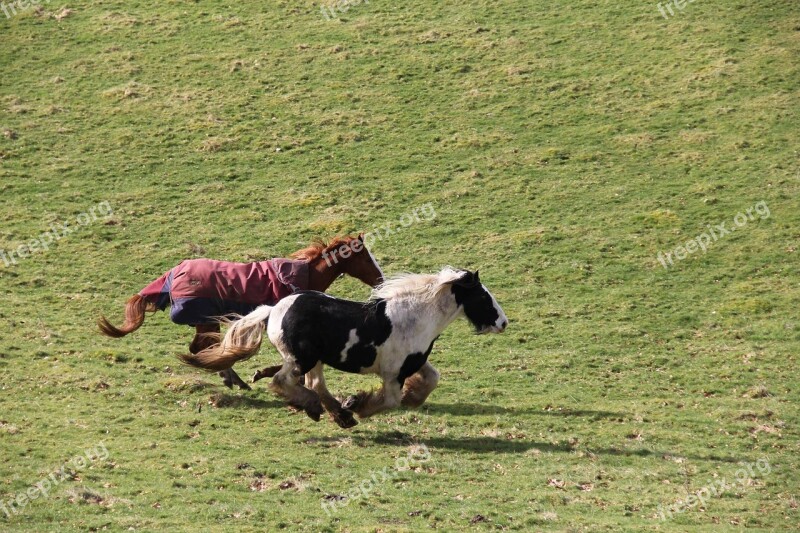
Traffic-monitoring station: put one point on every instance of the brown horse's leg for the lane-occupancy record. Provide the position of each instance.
(231, 378)
(207, 336)
(315, 380)
(418, 386)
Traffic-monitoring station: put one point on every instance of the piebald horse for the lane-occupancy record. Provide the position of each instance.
(199, 291)
(391, 335)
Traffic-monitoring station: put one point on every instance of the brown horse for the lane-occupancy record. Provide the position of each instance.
(200, 291)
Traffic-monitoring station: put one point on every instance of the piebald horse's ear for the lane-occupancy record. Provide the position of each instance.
(468, 280)
(360, 236)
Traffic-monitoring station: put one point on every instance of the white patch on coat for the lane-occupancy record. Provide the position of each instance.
(275, 326)
(351, 341)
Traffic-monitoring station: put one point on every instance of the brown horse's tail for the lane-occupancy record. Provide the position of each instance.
(135, 309)
(241, 341)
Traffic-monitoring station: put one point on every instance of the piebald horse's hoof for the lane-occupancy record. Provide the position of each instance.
(344, 419)
(314, 413)
(351, 402)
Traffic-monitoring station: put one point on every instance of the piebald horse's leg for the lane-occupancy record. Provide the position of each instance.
(315, 380)
(285, 384)
(207, 335)
(270, 371)
(418, 386)
(366, 404)
(266, 372)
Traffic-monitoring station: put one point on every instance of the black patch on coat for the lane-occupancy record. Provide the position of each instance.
(317, 327)
(477, 303)
(413, 363)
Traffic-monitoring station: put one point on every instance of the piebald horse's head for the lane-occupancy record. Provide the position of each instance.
(480, 307)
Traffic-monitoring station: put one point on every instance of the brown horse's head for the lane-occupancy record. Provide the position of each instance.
(360, 264)
(343, 255)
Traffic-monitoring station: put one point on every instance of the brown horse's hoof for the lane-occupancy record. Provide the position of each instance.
(226, 380)
(344, 419)
(238, 381)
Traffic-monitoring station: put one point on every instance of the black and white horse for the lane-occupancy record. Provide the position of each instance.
(391, 335)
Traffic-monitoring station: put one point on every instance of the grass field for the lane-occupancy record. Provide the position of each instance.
(562, 144)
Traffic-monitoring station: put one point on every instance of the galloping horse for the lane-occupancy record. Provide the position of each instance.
(202, 290)
(392, 335)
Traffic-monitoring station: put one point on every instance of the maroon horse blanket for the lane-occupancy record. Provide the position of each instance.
(198, 290)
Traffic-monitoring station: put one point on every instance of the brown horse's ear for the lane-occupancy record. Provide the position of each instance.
(467, 280)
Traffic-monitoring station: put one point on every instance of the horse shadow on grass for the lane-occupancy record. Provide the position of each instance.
(482, 444)
(495, 445)
(473, 409)
(223, 400)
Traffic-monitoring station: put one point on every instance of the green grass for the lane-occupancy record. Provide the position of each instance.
(563, 145)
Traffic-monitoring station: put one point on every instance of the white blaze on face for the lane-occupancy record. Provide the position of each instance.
(374, 262)
(352, 341)
(502, 321)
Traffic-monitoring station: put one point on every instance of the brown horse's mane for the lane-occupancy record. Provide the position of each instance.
(319, 246)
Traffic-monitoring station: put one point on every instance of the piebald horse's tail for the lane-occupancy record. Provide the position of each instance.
(135, 309)
(241, 341)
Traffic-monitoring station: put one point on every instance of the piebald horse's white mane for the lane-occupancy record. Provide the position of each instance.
(421, 288)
